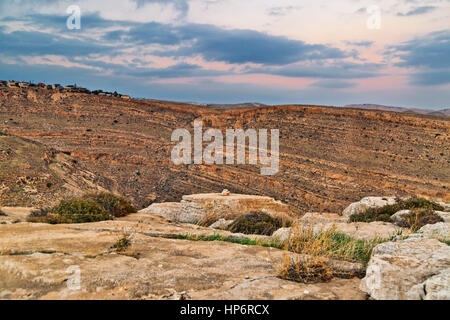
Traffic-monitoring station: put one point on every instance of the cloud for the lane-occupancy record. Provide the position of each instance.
(428, 55)
(359, 43)
(417, 11)
(181, 5)
(35, 43)
(431, 50)
(342, 70)
(334, 84)
(235, 46)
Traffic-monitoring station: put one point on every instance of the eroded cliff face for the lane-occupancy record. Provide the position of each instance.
(329, 157)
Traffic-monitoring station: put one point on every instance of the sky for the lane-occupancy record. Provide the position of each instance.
(322, 52)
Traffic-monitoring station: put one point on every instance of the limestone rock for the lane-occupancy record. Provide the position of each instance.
(37, 259)
(398, 217)
(358, 230)
(366, 203)
(434, 288)
(221, 224)
(282, 234)
(169, 210)
(225, 193)
(313, 218)
(444, 215)
(229, 207)
(439, 231)
(396, 268)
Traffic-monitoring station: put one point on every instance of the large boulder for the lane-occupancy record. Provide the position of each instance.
(440, 231)
(366, 203)
(193, 208)
(405, 270)
(229, 206)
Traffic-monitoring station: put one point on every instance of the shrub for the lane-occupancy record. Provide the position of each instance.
(122, 244)
(80, 211)
(332, 244)
(418, 218)
(384, 213)
(256, 223)
(308, 270)
(114, 205)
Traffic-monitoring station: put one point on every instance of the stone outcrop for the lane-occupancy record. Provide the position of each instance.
(194, 208)
(320, 222)
(439, 231)
(366, 203)
(221, 224)
(313, 218)
(169, 210)
(38, 261)
(415, 268)
(282, 234)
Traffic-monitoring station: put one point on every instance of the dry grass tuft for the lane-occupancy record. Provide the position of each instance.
(331, 244)
(309, 270)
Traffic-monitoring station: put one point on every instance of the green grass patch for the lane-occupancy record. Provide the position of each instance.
(243, 241)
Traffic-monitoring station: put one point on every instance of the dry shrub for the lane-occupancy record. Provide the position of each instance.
(418, 218)
(256, 223)
(114, 205)
(331, 244)
(284, 219)
(311, 269)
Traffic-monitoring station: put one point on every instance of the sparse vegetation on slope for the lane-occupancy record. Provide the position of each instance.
(384, 213)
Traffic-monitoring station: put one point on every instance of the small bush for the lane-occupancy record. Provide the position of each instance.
(256, 223)
(122, 244)
(309, 270)
(418, 218)
(114, 205)
(384, 213)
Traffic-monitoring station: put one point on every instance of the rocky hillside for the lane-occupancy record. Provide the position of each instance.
(329, 157)
(35, 175)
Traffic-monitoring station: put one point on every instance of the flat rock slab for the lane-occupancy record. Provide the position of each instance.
(37, 261)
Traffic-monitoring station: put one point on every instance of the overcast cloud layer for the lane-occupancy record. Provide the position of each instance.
(228, 51)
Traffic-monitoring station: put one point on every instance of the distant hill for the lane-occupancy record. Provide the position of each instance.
(444, 112)
(237, 105)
